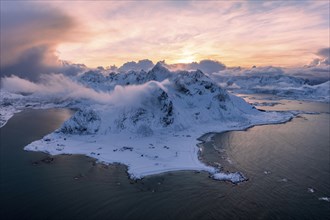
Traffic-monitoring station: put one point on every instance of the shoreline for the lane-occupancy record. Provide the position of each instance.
(191, 160)
(184, 158)
(191, 138)
(200, 165)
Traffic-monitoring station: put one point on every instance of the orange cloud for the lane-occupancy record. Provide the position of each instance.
(236, 33)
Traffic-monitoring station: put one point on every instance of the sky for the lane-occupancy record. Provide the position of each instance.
(35, 35)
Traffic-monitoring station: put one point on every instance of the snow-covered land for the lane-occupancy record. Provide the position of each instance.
(274, 81)
(11, 103)
(149, 121)
(7, 110)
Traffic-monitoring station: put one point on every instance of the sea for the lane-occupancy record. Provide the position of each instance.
(287, 167)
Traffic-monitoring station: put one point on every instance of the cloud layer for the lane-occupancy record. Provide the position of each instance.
(99, 33)
(37, 36)
(243, 33)
(30, 35)
(61, 87)
(323, 59)
(207, 66)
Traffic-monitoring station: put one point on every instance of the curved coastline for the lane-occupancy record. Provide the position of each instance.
(148, 155)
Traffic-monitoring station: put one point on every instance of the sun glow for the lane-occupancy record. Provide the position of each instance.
(186, 57)
(186, 60)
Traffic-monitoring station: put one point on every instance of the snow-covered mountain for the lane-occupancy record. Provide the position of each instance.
(150, 120)
(266, 81)
(173, 100)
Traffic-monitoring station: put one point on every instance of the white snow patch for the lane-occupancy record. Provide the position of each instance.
(311, 190)
(235, 177)
(327, 199)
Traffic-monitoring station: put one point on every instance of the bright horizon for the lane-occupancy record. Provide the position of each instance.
(245, 33)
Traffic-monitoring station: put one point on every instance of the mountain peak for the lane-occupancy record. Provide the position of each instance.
(159, 67)
(159, 71)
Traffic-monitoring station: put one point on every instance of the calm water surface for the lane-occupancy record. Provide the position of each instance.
(281, 162)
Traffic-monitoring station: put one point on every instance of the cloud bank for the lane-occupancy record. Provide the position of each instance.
(207, 66)
(323, 59)
(61, 87)
(242, 33)
(35, 36)
(30, 34)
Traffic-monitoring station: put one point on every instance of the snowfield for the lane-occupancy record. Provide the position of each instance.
(149, 121)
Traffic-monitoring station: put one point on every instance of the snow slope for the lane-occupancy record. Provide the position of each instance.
(150, 121)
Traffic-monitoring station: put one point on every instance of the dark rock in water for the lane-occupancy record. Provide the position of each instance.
(79, 176)
(47, 160)
(35, 163)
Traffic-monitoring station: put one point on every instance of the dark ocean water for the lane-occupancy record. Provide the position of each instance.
(281, 161)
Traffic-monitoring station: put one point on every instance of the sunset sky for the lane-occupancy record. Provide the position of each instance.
(103, 33)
